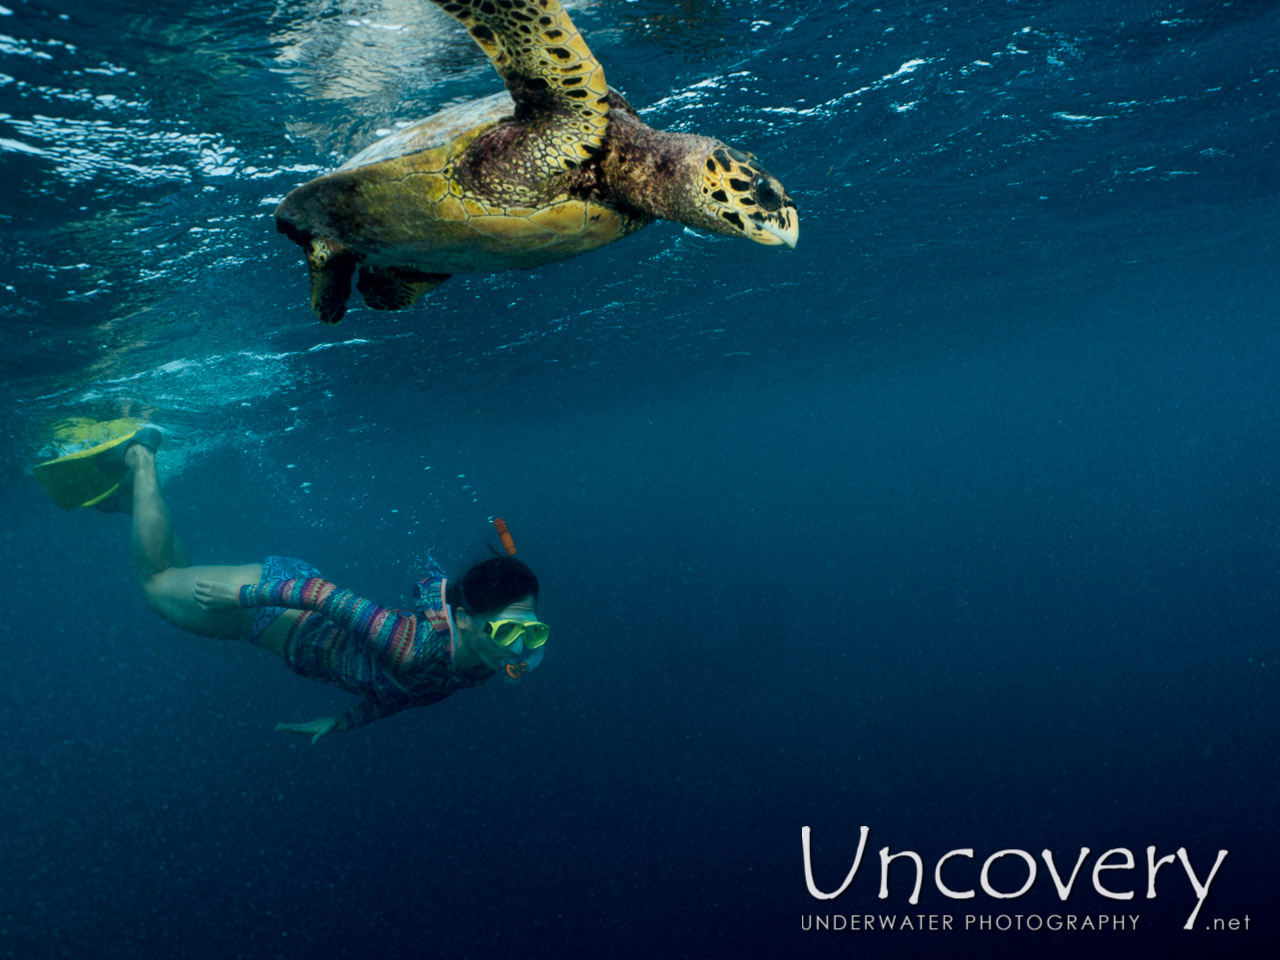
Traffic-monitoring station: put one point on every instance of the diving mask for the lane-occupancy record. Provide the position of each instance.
(504, 633)
(521, 641)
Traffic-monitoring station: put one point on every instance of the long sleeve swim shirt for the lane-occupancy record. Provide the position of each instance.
(395, 659)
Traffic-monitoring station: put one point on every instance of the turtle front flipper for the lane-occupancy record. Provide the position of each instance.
(330, 265)
(557, 84)
(393, 288)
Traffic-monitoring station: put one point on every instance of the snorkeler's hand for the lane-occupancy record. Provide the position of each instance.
(315, 729)
(216, 594)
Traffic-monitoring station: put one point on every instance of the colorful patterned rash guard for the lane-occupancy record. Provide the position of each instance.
(395, 659)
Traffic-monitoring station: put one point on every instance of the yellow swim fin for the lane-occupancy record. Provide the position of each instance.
(91, 466)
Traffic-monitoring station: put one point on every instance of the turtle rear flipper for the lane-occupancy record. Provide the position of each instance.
(330, 265)
(395, 288)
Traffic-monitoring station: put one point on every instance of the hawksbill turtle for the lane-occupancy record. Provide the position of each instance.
(558, 165)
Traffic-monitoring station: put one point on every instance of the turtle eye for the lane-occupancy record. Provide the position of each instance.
(766, 195)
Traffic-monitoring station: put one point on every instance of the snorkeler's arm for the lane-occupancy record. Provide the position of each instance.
(365, 712)
(369, 710)
(390, 636)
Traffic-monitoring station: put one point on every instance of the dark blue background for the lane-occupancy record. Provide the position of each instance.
(958, 522)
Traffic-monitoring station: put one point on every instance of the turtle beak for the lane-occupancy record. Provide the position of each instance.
(783, 226)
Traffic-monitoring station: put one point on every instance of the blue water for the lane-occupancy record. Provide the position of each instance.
(959, 521)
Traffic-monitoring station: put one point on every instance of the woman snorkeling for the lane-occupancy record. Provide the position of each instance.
(457, 637)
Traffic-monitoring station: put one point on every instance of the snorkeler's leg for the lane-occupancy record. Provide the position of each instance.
(167, 583)
(153, 544)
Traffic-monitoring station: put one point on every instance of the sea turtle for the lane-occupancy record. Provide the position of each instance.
(558, 165)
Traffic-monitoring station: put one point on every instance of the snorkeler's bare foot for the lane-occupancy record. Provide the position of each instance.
(139, 456)
(136, 458)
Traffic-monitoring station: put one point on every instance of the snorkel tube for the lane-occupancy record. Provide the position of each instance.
(515, 665)
(512, 672)
(508, 544)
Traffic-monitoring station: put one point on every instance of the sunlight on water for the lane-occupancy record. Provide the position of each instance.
(149, 157)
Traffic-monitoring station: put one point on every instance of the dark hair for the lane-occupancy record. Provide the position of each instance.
(494, 584)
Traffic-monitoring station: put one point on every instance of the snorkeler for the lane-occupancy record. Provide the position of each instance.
(458, 637)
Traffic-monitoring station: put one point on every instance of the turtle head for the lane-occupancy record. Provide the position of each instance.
(739, 197)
